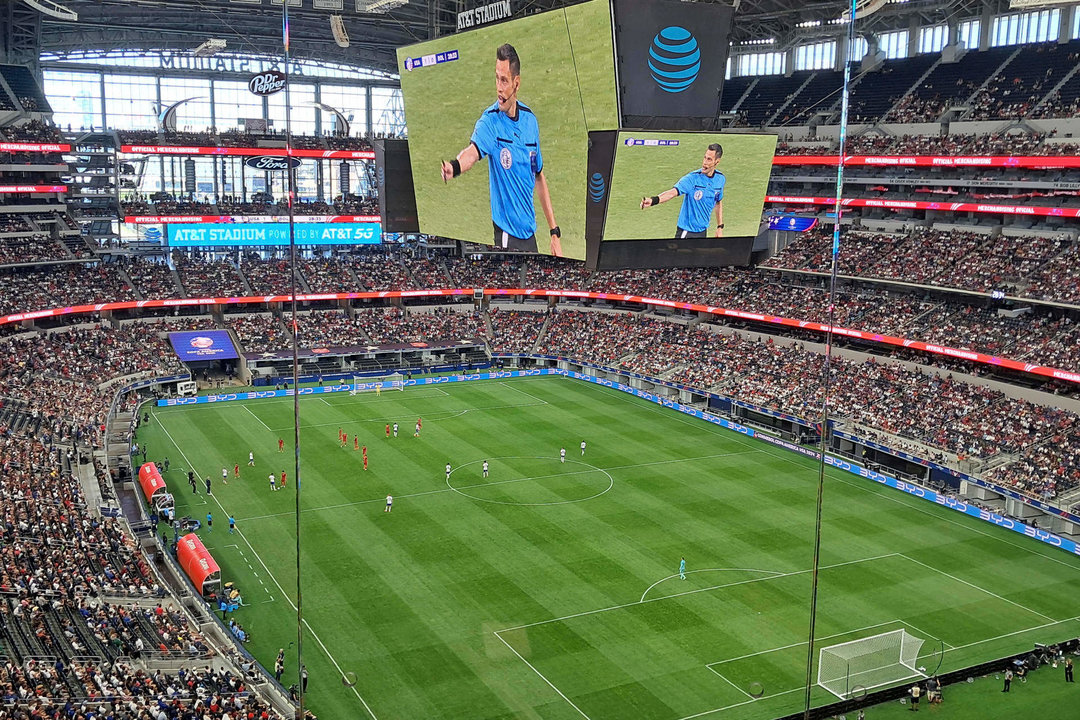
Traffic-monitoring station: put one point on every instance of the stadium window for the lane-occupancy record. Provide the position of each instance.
(387, 111)
(860, 49)
(1028, 27)
(969, 34)
(302, 113)
(933, 38)
(350, 100)
(75, 98)
(1075, 26)
(816, 56)
(233, 103)
(766, 63)
(194, 114)
(130, 102)
(894, 44)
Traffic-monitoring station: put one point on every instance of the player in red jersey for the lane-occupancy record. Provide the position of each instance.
(355, 442)
(388, 430)
(282, 479)
(342, 436)
(365, 457)
(280, 445)
(236, 471)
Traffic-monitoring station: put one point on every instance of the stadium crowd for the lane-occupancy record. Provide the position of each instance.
(238, 138)
(394, 325)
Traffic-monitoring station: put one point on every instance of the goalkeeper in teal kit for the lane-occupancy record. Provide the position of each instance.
(509, 135)
(702, 191)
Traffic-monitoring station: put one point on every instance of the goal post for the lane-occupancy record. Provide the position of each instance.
(868, 663)
(376, 383)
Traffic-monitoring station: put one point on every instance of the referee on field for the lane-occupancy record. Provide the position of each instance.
(702, 190)
(509, 133)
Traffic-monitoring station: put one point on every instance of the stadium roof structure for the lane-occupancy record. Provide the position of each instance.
(255, 27)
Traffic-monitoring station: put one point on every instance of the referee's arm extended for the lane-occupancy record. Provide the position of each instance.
(657, 199)
(464, 160)
(549, 214)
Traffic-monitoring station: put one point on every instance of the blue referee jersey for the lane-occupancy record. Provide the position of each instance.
(514, 147)
(700, 195)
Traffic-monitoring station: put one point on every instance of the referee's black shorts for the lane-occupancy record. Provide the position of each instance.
(680, 233)
(506, 241)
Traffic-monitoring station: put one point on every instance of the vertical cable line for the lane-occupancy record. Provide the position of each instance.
(827, 370)
(290, 174)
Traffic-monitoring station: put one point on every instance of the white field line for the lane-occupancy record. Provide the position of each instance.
(258, 418)
(523, 392)
(541, 676)
(788, 692)
(694, 592)
(892, 496)
(740, 704)
(981, 589)
(721, 676)
(800, 644)
(498, 482)
(1015, 632)
(691, 572)
(441, 415)
(269, 574)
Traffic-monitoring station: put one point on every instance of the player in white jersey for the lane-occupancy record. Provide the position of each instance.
(448, 470)
(562, 454)
(582, 447)
(485, 468)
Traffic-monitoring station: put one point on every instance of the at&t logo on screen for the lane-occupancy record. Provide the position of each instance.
(674, 59)
(597, 187)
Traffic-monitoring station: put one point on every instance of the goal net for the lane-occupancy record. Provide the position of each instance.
(378, 383)
(868, 663)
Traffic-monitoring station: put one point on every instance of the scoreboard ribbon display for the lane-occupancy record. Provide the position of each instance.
(238, 234)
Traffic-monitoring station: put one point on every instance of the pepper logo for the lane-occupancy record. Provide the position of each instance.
(674, 59)
(597, 188)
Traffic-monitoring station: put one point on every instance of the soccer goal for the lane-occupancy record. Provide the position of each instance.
(377, 383)
(868, 663)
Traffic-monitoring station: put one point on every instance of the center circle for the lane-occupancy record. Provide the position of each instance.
(547, 479)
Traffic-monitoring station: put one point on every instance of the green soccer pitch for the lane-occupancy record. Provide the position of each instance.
(551, 590)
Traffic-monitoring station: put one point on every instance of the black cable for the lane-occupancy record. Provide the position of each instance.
(827, 370)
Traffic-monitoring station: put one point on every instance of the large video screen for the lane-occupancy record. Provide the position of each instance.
(696, 184)
(564, 86)
(199, 345)
(306, 233)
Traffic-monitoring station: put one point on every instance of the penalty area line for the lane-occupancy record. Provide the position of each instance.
(540, 675)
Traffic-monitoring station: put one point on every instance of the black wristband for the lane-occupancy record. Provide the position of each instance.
(655, 200)
(456, 166)
(556, 232)
(721, 226)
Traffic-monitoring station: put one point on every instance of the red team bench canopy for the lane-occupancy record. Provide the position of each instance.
(153, 486)
(196, 561)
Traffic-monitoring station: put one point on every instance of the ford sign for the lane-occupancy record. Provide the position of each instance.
(267, 83)
(271, 163)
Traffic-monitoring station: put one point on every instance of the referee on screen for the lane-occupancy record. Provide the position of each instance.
(509, 133)
(702, 190)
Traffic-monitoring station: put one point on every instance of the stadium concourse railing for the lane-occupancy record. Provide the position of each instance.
(565, 370)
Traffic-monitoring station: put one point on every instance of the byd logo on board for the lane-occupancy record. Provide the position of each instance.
(674, 59)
